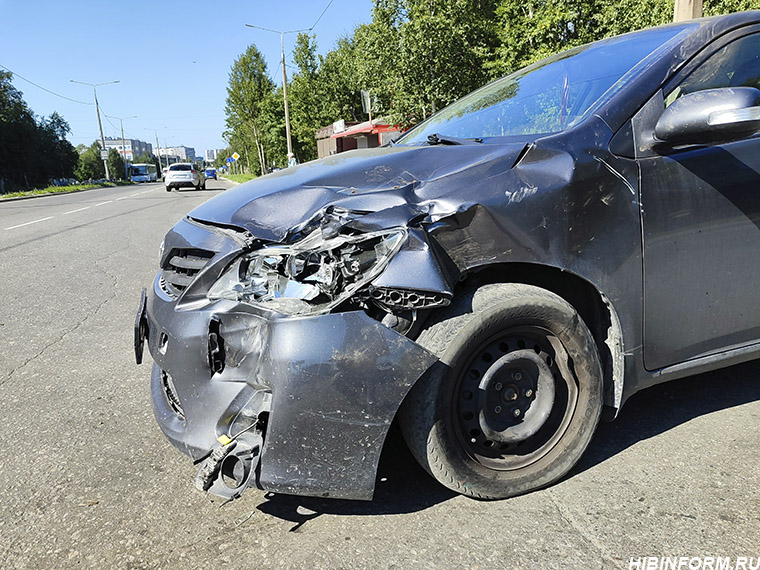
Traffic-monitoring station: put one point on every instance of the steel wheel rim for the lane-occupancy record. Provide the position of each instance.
(477, 395)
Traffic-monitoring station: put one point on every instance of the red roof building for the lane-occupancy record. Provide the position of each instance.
(340, 137)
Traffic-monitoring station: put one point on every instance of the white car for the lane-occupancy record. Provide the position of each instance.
(184, 175)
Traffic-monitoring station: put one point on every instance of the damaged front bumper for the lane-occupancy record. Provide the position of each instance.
(295, 405)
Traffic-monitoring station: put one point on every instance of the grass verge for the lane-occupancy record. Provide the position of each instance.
(240, 178)
(61, 189)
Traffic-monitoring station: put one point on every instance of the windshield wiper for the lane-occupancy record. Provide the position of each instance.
(436, 138)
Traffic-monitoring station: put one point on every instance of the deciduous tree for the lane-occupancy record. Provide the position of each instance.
(90, 163)
(248, 88)
(32, 151)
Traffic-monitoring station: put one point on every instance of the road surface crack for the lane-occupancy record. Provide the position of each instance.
(90, 314)
(567, 515)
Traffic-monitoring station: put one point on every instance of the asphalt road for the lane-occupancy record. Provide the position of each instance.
(88, 480)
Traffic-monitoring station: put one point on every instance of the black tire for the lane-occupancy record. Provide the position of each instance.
(516, 397)
(168, 188)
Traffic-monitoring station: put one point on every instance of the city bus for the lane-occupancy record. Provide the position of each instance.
(142, 172)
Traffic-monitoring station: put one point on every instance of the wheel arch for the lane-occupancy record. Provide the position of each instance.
(596, 310)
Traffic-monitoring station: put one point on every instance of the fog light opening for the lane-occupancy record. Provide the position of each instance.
(234, 471)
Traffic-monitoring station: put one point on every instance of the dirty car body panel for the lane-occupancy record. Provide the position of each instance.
(307, 391)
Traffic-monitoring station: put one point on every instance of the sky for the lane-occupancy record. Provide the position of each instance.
(171, 58)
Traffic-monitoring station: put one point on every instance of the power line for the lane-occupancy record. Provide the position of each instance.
(322, 14)
(44, 89)
(314, 25)
(118, 129)
(108, 118)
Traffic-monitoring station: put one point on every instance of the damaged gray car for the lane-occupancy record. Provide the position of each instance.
(507, 273)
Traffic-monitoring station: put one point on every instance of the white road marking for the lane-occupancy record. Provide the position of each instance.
(78, 210)
(81, 209)
(29, 223)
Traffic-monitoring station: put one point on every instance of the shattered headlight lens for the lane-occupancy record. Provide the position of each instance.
(310, 276)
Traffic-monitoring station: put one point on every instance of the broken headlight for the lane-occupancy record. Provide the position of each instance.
(310, 276)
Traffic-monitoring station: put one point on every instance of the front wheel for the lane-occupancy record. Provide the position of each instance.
(516, 397)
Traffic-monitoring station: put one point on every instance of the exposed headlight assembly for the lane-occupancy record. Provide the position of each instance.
(311, 276)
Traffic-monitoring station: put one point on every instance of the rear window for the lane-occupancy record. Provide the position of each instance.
(176, 167)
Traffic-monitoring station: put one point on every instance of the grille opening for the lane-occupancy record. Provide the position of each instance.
(181, 267)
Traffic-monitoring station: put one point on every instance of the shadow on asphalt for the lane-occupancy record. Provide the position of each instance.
(208, 188)
(661, 408)
(403, 486)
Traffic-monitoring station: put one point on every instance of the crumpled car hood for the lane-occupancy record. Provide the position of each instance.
(403, 182)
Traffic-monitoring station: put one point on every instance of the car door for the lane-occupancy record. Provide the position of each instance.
(701, 224)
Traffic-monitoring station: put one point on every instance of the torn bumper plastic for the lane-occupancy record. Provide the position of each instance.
(307, 401)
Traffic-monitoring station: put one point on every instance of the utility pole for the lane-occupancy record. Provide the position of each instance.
(158, 150)
(687, 10)
(123, 143)
(284, 81)
(285, 97)
(97, 112)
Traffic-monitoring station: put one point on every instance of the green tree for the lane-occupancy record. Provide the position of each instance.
(716, 7)
(17, 127)
(116, 164)
(623, 16)
(90, 163)
(340, 82)
(56, 157)
(381, 38)
(273, 130)
(531, 30)
(305, 99)
(416, 56)
(445, 46)
(248, 88)
(31, 151)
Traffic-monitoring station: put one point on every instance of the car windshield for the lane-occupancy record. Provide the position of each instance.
(180, 167)
(549, 96)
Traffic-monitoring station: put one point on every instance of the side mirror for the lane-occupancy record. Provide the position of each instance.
(711, 116)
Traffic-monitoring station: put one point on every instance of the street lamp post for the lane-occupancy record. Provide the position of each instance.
(284, 82)
(97, 112)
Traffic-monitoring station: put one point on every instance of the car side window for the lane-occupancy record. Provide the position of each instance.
(736, 64)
